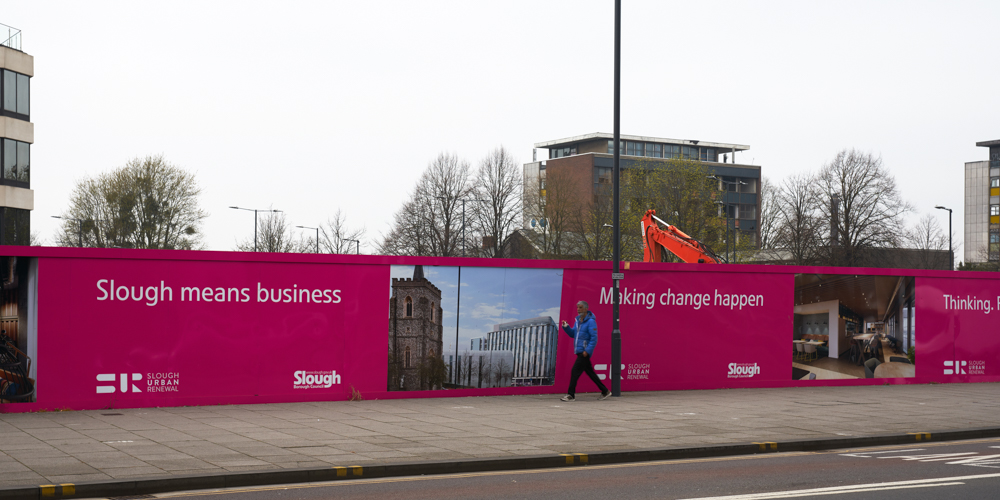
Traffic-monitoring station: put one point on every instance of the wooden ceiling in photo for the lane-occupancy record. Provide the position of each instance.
(869, 296)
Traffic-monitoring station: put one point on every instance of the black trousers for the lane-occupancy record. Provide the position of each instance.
(582, 365)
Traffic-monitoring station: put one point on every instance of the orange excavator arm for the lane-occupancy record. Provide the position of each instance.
(674, 240)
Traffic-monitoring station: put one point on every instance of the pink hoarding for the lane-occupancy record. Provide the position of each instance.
(116, 328)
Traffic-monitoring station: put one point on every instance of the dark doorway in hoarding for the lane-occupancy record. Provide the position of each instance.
(17, 329)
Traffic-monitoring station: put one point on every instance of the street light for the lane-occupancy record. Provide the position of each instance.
(358, 247)
(729, 183)
(79, 221)
(463, 200)
(616, 274)
(255, 210)
(951, 253)
(317, 235)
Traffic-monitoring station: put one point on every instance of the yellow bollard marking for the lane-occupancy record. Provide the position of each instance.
(583, 458)
(926, 436)
(357, 470)
(341, 471)
(569, 458)
(68, 489)
(764, 446)
(48, 490)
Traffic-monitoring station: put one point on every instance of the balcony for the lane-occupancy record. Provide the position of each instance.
(10, 36)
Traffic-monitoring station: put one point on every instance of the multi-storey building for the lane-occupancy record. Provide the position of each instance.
(982, 206)
(590, 157)
(533, 344)
(17, 133)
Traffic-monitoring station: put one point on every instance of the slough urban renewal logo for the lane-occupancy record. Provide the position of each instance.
(958, 367)
(743, 370)
(131, 382)
(315, 379)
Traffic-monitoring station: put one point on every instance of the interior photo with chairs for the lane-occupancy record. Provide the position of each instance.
(852, 327)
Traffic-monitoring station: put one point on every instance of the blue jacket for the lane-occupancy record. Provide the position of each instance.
(584, 334)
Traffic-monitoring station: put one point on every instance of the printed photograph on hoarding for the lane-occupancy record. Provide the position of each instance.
(17, 335)
(853, 327)
(472, 327)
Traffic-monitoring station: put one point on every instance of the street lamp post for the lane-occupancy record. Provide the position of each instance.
(255, 210)
(358, 246)
(317, 235)
(951, 253)
(79, 221)
(726, 204)
(616, 275)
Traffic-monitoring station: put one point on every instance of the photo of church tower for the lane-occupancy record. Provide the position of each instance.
(415, 334)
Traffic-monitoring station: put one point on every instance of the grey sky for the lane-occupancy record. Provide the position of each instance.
(490, 296)
(313, 106)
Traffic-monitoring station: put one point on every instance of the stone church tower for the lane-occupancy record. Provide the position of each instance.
(415, 333)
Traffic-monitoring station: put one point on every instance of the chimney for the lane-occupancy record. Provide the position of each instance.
(834, 219)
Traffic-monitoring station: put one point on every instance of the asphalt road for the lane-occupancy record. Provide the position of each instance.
(963, 469)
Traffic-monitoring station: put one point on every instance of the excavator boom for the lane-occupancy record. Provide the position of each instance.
(683, 246)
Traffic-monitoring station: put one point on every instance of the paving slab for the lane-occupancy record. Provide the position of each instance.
(60, 447)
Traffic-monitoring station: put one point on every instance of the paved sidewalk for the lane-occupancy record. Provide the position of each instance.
(102, 445)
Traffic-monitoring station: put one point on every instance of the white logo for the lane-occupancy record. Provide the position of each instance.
(743, 370)
(110, 377)
(958, 367)
(315, 380)
(955, 367)
(601, 368)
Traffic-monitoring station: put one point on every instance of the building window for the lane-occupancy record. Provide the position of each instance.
(15, 226)
(409, 307)
(994, 238)
(708, 154)
(406, 357)
(748, 212)
(630, 148)
(689, 153)
(16, 161)
(657, 150)
(651, 151)
(670, 151)
(994, 210)
(16, 92)
(749, 186)
(994, 182)
(611, 147)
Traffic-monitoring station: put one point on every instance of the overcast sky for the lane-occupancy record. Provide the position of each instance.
(309, 107)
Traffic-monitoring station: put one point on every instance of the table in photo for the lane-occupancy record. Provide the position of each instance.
(803, 343)
(894, 369)
(857, 347)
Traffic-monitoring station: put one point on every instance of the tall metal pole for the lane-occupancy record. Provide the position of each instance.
(616, 334)
(255, 230)
(458, 317)
(951, 253)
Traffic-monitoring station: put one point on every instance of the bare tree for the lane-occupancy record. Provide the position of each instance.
(430, 222)
(497, 190)
(274, 234)
(769, 213)
(147, 203)
(501, 372)
(555, 197)
(928, 240)
(337, 237)
(798, 224)
(871, 208)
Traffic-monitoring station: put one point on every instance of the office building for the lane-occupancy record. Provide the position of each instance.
(590, 158)
(17, 133)
(982, 206)
(533, 344)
